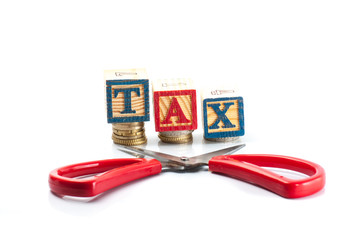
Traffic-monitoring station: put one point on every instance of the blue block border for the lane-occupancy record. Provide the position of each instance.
(237, 133)
(110, 117)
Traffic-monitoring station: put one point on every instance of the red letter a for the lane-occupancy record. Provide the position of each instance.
(175, 110)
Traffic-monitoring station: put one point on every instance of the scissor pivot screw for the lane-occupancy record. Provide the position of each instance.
(184, 159)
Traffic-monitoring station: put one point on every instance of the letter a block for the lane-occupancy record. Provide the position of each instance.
(174, 105)
(127, 96)
(223, 115)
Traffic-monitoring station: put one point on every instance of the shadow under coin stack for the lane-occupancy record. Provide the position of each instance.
(127, 95)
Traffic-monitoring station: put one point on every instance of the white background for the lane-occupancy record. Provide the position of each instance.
(296, 64)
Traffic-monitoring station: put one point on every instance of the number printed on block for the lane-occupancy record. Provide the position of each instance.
(223, 114)
(127, 96)
(174, 106)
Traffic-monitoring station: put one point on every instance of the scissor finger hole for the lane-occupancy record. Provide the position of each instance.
(287, 173)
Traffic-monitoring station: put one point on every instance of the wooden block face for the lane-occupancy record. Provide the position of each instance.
(223, 117)
(175, 110)
(127, 96)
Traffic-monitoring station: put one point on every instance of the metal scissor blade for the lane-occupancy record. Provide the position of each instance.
(204, 158)
(135, 154)
(157, 155)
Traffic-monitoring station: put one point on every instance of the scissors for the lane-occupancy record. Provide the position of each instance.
(89, 179)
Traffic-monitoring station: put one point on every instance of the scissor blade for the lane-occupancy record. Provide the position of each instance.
(135, 154)
(207, 156)
(157, 155)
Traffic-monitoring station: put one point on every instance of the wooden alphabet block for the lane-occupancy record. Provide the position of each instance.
(127, 95)
(223, 114)
(174, 105)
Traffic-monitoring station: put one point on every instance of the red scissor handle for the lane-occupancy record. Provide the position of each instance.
(247, 168)
(110, 173)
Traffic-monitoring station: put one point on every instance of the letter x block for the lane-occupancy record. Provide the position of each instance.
(127, 95)
(223, 114)
(174, 105)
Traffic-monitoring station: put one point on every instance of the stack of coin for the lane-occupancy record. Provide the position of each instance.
(132, 133)
(176, 136)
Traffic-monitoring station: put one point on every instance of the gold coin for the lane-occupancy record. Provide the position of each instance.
(130, 142)
(129, 133)
(127, 137)
(135, 129)
(128, 126)
(177, 139)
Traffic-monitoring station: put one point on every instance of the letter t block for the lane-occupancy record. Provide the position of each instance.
(174, 105)
(223, 115)
(127, 95)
